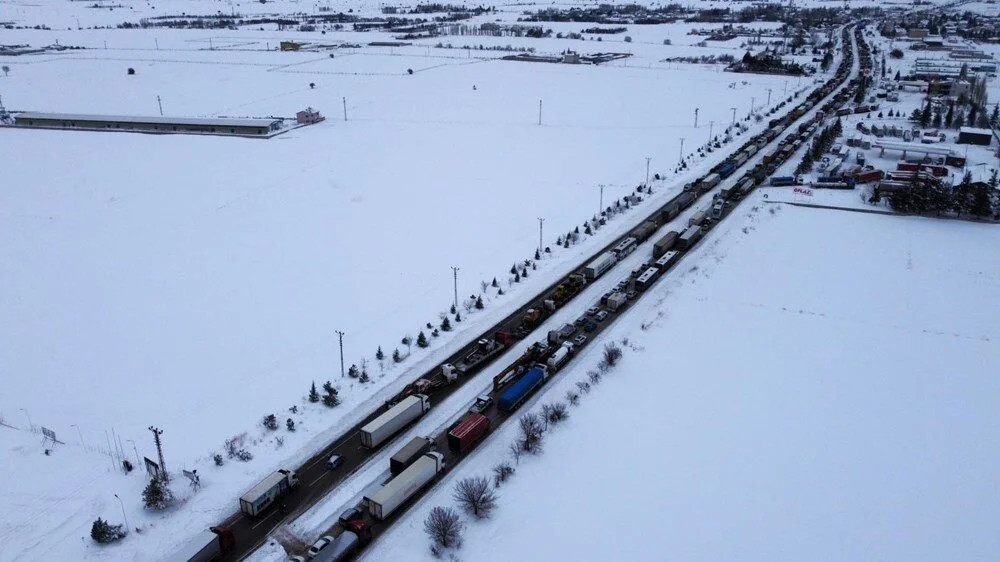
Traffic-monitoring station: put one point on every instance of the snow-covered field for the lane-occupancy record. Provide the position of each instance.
(195, 283)
(811, 385)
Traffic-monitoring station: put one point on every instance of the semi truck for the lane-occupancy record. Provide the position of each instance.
(698, 218)
(468, 431)
(664, 244)
(375, 432)
(512, 398)
(355, 534)
(389, 497)
(485, 349)
(596, 268)
(644, 230)
(261, 496)
(616, 300)
(560, 357)
(206, 546)
(689, 238)
(684, 200)
(409, 453)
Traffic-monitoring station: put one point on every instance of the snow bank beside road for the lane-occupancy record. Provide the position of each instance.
(819, 388)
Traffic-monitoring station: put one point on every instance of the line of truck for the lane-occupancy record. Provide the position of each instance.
(527, 374)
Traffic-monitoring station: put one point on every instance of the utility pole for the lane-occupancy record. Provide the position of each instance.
(680, 156)
(710, 125)
(123, 511)
(601, 209)
(159, 103)
(82, 444)
(696, 118)
(647, 170)
(540, 221)
(345, 108)
(454, 274)
(340, 335)
(31, 426)
(159, 451)
(769, 97)
(539, 112)
(734, 115)
(785, 91)
(157, 43)
(752, 100)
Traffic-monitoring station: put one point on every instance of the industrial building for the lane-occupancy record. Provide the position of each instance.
(249, 127)
(972, 135)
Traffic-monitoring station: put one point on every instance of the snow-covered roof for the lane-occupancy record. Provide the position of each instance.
(915, 147)
(210, 121)
(975, 131)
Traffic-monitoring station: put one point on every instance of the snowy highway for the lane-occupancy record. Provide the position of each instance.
(364, 470)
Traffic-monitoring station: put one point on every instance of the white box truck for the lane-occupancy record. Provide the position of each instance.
(375, 432)
(383, 502)
(269, 489)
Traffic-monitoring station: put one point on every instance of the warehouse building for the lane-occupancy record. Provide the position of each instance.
(138, 124)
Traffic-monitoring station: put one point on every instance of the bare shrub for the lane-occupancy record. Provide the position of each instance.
(584, 386)
(475, 495)
(532, 429)
(572, 397)
(444, 527)
(501, 472)
(594, 376)
(515, 451)
(557, 412)
(612, 353)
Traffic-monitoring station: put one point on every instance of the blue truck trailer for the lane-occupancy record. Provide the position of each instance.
(512, 398)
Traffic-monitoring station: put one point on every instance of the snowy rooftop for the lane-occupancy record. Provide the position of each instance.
(975, 131)
(214, 121)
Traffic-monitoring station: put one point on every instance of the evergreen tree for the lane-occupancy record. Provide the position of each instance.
(156, 495)
(446, 324)
(925, 115)
(972, 114)
(422, 339)
(352, 371)
(897, 75)
(915, 116)
(479, 302)
(513, 269)
(949, 117)
(538, 256)
(995, 116)
(332, 398)
(378, 354)
(271, 422)
(981, 203)
(452, 309)
(313, 395)
(458, 317)
(103, 532)
(587, 230)
(959, 119)
(290, 424)
(517, 276)
(495, 284)
(396, 358)
(937, 118)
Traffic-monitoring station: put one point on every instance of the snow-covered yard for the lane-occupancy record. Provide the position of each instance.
(812, 385)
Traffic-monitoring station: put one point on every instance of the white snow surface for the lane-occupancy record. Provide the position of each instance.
(819, 387)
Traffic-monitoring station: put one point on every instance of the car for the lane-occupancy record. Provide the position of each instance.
(296, 558)
(580, 321)
(590, 327)
(334, 461)
(601, 316)
(580, 340)
(593, 310)
(483, 401)
(319, 545)
(631, 295)
(636, 273)
(350, 514)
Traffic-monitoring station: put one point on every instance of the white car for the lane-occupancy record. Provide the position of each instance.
(319, 545)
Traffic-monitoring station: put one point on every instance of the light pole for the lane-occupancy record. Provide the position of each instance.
(769, 97)
(454, 274)
(601, 209)
(734, 115)
(710, 125)
(752, 100)
(540, 221)
(137, 460)
(696, 118)
(785, 91)
(80, 432)
(340, 336)
(647, 169)
(680, 156)
(123, 511)
(31, 426)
